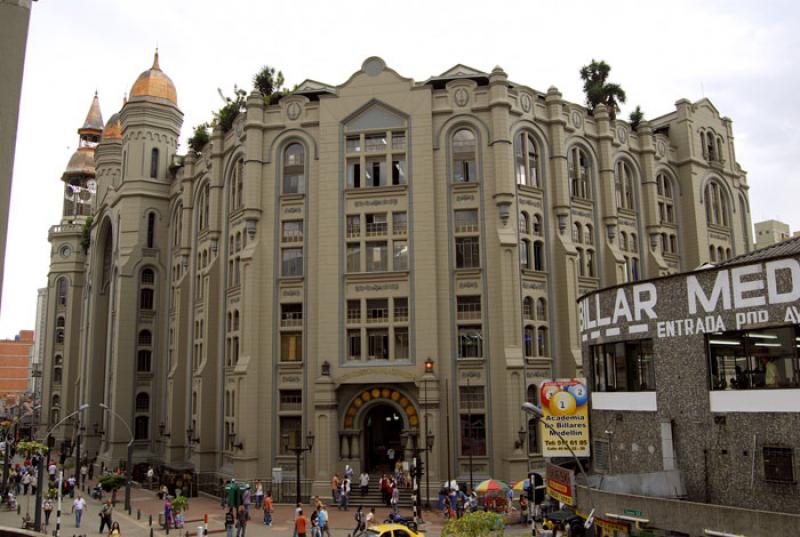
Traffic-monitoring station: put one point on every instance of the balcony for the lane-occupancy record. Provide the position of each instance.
(293, 319)
(468, 312)
(377, 229)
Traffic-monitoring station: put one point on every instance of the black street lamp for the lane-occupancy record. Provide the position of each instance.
(298, 451)
(428, 433)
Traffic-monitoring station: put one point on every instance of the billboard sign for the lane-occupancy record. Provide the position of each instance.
(565, 405)
(560, 483)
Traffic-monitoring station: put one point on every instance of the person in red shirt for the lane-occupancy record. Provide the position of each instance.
(300, 524)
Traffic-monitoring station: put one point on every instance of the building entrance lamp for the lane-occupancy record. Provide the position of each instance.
(129, 464)
(537, 414)
(41, 470)
(428, 433)
(298, 452)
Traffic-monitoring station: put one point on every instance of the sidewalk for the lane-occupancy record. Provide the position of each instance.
(147, 504)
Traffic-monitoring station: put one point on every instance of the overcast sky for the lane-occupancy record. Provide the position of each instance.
(740, 54)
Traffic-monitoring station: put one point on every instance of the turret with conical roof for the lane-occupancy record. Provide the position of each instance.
(79, 176)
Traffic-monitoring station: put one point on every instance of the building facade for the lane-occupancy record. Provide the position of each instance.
(295, 274)
(695, 383)
(15, 365)
(771, 232)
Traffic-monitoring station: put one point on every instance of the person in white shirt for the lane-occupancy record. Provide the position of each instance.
(77, 508)
(364, 482)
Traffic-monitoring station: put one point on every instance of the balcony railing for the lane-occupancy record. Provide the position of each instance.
(468, 312)
(291, 319)
(378, 315)
(376, 229)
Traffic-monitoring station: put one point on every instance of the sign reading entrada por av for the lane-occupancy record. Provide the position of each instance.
(729, 299)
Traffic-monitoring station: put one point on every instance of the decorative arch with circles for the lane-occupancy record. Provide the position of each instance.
(368, 396)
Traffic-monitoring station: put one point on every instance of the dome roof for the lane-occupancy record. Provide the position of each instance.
(154, 83)
(81, 162)
(113, 129)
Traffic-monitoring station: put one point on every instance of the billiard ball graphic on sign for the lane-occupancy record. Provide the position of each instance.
(562, 404)
(579, 392)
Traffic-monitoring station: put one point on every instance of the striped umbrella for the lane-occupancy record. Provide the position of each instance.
(491, 485)
(521, 486)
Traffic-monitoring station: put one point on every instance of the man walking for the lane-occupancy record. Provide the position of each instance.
(268, 509)
(300, 524)
(344, 495)
(241, 521)
(77, 507)
(105, 515)
(324, 522)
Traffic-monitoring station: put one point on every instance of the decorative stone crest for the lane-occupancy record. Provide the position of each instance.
(661, 148)
(622, 135)
(525, 102)
(293, 111)
(461, 97)
(577, 119)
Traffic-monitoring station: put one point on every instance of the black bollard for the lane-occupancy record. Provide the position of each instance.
(138, 514)
(150, 521)
(151, 531)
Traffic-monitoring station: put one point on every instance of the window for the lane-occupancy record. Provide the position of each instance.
(143, 361)
(203, 206)
(146, 299)
(527, 308)
(294, 169)
(400, 309)
(470, 342)
(61, 287)
(400, 255)
(473, 435)
(291, 346)
(525, 254)
(623, 185)
(354, 344)
(142, 402)
(590, 269)
(468, 308)
(236, 186)
(378, 310)
(353, 144)
(468, 252)
(472, 397)
(533, 424)
(537, 225)
(401, 343)
(399, 223)
(523, 222)
(577, 232)
(60, 330)
(290, 426)
(154, 163)
(377, 225)
(151, 229)
(353, 225)
(529, 340)
(376, 173)
(466, 220)
(292, 231)
(581, 262)
(399, 172)
(716, 204)
(753, 359)
(588, 235)
(353, 257)
(398, 141)
(626, 366)
(57, 375)
(623, 241)
(291, 315)
(354, 174)
(666, 201)
(145, 338)
(542, 342)
(141, 428)
(538, 256)
(464, 147)
(377, 260)
(527, 161)
(291, 262)
(541, 309)
(377, 344)
(579, 173)
(376, 143)
(291, 400)
(778, 464)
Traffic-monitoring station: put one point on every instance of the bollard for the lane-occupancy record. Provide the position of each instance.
(138, 514)
(150, 521)
(151, 531)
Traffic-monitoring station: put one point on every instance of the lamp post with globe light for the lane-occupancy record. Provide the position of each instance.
(538, 415)
(129, 464)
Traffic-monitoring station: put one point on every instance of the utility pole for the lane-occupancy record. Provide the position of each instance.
(469, 431)
(447, 416)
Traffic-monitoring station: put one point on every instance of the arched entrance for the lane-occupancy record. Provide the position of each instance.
(382, 427)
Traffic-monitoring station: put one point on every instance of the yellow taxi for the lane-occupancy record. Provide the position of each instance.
(391, 530)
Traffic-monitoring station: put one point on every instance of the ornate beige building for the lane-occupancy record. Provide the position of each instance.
(296, 274)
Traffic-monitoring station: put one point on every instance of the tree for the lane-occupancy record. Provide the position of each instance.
(267, 81)
(112, 482)
(636, 117)
(86, 234)
(225, 116)
(180, 504)
(598, 90)
(477, 524)
(199, 138)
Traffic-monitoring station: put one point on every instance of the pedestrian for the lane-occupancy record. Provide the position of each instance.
(71, 486)
(371, 517)
(18, 481)
(151, 474)
(523, 509)
(348, 472)
(384, 485)
(363, 480)
(335, 489)
(395, 500)
(314, 520)
(105, 515)
(324, 522)
(229, 522)
(48, 509)
(246, 499)
(84, 472)
(114, 530)
(390, 456)
(298, 510)
(359, 516)
(77, 507)
(26, 482)
(344, 494)
(241, 521)
(34, 481)
(167, 512)
(268, 508)
(300, 524)
(51, 469)
(259, 494)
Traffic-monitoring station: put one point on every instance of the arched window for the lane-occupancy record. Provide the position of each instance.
(635, 269)
(716, 204)
(142, 402)
(581, 263)
(57, 373)
(529, 341)
(146, 298)
(590, 269)
(720, 254)
(703, 146)
(141, 428)
(634, 244)
(588, 235)
(527, 308)
(527, 160)
(58, 360)
(719, 148)
(56, 400)
(524, 254)
(151, 229)
(177, 224)
(711, 153)
(61, 289)
(541, 309)
(294, 164)
(666, 200)
(145, 338)
(60, 325)
(148, 276)
(541, 341)
(537, 224)
(523, 222)
(623, 185)
(577, 232)
(727, 253)
(579, 173)
(712, 254)
(464, 148)
(538, 255)
(236, 186)
(154, 163)
(143, 361)
(623, 241)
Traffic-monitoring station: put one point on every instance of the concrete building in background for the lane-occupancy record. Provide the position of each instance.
(37, 352)
(15, 363)
(695, 395)
(295, 274)
(14, 18)
(771, 232)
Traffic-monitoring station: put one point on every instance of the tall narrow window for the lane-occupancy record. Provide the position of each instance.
(151, 229)
(623, 184)
(527, 160)
(294, 169)
(61, 287)
(154, 163)
(538, 255)
(579, 173)
(464, 148)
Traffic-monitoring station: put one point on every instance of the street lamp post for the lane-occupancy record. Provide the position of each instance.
(298, 451)
(428, 434)
(41, 470)
(129, 464)
(537, 414)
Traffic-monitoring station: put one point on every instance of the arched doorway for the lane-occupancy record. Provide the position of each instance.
(382, 427)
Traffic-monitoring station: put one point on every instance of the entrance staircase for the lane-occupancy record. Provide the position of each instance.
(373, 497)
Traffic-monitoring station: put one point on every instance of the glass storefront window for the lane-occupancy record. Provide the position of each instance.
(625, 366)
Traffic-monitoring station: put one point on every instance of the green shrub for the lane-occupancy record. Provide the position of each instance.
(478, 524)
